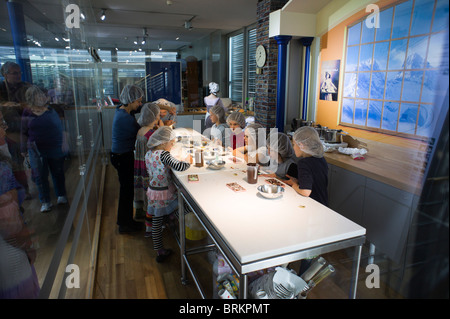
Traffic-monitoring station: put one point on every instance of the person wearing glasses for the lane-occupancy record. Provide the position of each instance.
(13, 82)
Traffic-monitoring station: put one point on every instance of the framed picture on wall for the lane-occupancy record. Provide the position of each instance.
(329, 80)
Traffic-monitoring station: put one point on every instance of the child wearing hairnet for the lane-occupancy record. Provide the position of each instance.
(254, 149)
(147, 120)
(161, 193)
(236, 123)
(312, 168)
(282, 156)
(217, 116)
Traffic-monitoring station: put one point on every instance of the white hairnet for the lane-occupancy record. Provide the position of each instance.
(164, 102)
(308, 141)
(162, 135)
(283, 147)
(213, 88)
(254, 130)
(154, 107)
(131, 93)
(34, 96)
(218, 111)
(237, 117)
(147, 115)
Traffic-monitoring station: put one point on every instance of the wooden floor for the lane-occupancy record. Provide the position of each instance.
(127, 268)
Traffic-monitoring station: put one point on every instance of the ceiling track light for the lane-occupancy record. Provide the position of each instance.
(159, 47)
(103, 16)
(136, 41)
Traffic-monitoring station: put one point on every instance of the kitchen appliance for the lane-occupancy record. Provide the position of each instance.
(296, 123)
(321, 131)
(333, 136)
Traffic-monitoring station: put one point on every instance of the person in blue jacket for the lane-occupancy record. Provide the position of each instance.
(124, 132)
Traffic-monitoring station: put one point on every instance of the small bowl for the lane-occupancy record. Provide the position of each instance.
(270, 191)
(209, 155)
(216, 164)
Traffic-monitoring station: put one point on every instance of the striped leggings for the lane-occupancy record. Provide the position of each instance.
(157, 223)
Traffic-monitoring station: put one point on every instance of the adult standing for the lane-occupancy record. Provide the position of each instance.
(13, 82)
(124, 132)
(42, 139)
(212, 100)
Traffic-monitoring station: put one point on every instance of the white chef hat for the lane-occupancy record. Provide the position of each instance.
(213, 87)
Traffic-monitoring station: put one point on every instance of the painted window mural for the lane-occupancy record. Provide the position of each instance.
(391, 73)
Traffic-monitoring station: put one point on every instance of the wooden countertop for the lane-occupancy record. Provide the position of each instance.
(396, 166)
(191, 113)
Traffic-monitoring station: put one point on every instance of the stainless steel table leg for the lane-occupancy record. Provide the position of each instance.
(355, 273)
(243, 285)
(181, 222)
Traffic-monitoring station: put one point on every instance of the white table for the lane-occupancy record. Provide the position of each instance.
(255, 233)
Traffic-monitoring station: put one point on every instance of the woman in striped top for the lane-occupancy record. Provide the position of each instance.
(161, 192)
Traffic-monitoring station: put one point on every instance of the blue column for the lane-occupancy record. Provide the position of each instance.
(282, 41)
(19, 35)
(307, 44)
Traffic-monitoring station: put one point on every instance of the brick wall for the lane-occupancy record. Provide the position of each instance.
(266, 82)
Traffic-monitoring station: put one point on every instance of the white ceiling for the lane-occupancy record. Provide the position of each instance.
(126, 20)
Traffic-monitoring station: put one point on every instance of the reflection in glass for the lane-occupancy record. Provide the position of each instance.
(417, 49)
(426, 120)
(377, 85)
(347, 110)
(384, 31)
(421, 22)
(412, 83)
(360, 112)
(354, 34)
(407, 118)
(363, 85)
(431, 86)
(351, 63)
(365, 57)
(393, 85)
(440, 21)
(374, 116)
(368, 34)
(402, 18)
(350, 85)
(436, 50)
(397, 54)
(380, 56)
(390, 116)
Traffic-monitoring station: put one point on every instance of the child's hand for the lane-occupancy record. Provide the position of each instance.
(269, 175)
(290, 181)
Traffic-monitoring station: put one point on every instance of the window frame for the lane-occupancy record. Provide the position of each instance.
(386, 71)
(247, 66)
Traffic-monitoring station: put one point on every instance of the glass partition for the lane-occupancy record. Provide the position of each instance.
(59, 140)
